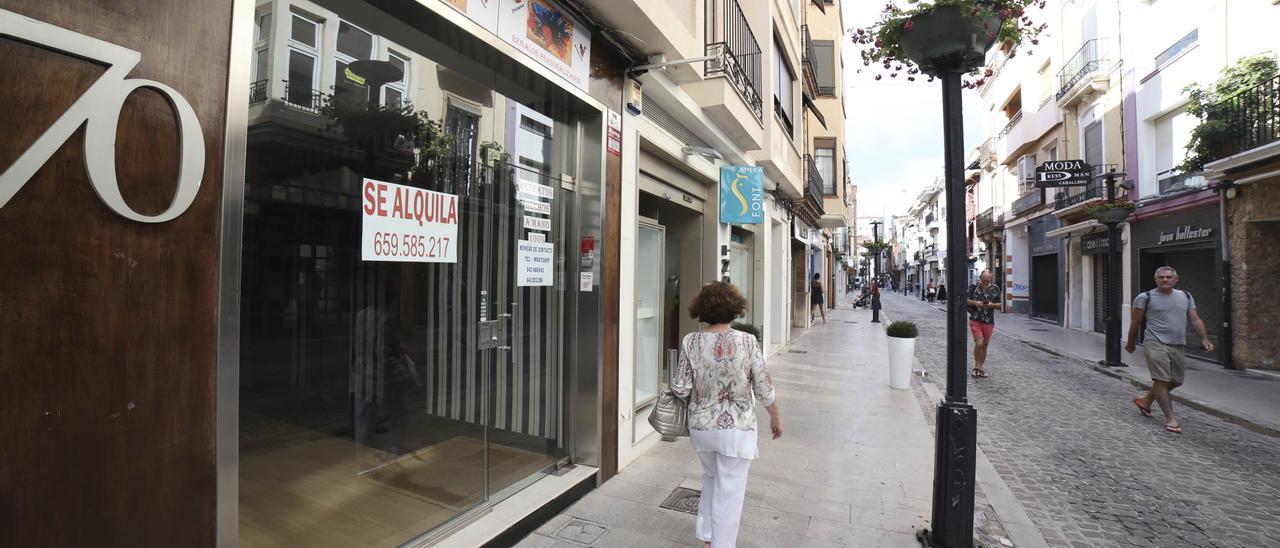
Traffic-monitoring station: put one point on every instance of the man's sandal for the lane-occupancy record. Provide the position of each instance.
(1146, 411)
(1176, 429)
(979, 374)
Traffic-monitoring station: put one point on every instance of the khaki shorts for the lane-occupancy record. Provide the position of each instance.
(1166, 363)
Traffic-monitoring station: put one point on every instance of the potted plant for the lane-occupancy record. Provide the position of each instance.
(934, 37)
(902, 349)
(1111, 213)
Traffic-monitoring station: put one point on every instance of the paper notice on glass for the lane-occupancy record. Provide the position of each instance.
(531, 206)
(586, 280)
(407, 224)
(537, 237)
(535, 189)
(537, 223)
(535, 263)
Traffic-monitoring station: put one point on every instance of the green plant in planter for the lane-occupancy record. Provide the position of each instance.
(902, 329)
(1121, 203)
(1208, 139)
(1003, 21)
(753, 329)
(876, 247)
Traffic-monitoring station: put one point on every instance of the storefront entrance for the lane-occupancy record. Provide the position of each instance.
(390, 381)
(1188, 242)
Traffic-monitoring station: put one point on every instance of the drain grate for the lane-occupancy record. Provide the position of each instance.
(581, 531)
(1038, 329)
(851, 321)
(683, 500)
(797, 351)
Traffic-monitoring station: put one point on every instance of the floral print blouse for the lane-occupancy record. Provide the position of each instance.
(718, 372)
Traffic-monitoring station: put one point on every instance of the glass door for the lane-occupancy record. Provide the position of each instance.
(650, 307)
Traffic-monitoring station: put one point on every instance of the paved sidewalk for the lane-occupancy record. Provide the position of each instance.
(1248, 398)
(854, 467)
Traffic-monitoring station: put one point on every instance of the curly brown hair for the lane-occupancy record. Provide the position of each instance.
(717, 302)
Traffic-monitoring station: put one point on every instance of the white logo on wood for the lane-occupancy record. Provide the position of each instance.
(99, 108)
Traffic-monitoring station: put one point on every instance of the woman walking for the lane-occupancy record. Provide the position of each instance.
(718, 371)
(942, 292)
(816, 299)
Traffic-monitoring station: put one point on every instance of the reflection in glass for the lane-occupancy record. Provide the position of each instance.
(649, 311)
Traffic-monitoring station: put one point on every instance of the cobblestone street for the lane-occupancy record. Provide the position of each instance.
(1090, 470)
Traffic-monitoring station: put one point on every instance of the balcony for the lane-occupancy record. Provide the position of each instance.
(807, 55)
(1030, 201)
(735, 51)
(990, 221)
(302, 97)
(1068, 197)
(257, 92)
(1083, 73)
(1251, 117)
(813, 187)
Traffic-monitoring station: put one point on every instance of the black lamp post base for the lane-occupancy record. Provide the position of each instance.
(954, 471)
(875, 316)
(1109, 363)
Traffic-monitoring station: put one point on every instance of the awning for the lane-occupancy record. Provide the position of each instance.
(1078, 228)
(832, 221)
(809, 104)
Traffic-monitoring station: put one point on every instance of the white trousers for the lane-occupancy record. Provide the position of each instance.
(724, 485)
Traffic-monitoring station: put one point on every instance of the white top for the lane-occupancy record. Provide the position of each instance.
(729, 442)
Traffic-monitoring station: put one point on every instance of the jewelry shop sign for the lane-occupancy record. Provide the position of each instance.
(742, 195)
(407, 224)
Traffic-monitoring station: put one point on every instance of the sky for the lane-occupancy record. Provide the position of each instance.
(893, 128)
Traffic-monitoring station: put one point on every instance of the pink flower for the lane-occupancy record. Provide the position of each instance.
(908, 25)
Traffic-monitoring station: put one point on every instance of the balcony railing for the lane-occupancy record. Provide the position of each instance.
(813, 184)
(303, 97)
(1252, 118)
(258, 92)
(1009, 126)
(735, 52)
(990, 220)
(1085, 62)
(1028, 202)
(807, 56)
(1069, 196)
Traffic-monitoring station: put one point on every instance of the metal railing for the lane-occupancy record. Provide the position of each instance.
(1085, 62)
(1069, 196)
(990, 220)
(1252, 118)
(304, 98)
(813, 184)
(1009, 126)
(807, 55)
(1029, 201)
(735, 51)
(258, 92)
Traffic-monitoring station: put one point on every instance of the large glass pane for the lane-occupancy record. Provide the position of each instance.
(370, 411)
(354, 42)
(303, 30)
(649, 311)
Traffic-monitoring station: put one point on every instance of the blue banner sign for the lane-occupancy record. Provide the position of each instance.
(742, 195)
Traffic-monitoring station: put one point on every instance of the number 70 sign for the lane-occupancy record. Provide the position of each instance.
(99, 110)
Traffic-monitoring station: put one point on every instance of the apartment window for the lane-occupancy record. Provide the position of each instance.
(1178, 47)
(1014, 106)
(354, 44)
(1172, 133)
(824, 157)
(784, 81)
(261, 46)
(824, 66)
(394, 92)
(304, 65)
(1093, 146)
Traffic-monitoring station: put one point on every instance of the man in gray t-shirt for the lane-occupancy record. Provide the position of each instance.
(1166, 311)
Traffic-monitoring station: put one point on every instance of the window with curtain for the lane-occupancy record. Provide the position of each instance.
(824, 157)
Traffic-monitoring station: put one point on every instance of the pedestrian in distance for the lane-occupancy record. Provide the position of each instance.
(719, 371)
(982, 300)
(1166, 312)
(942, 292)
(816, 299)
(932, 291)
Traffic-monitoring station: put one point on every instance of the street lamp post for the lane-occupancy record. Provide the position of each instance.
(875, 308)
(1112, 303)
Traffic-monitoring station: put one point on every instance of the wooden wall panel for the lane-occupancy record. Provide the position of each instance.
(108, 326)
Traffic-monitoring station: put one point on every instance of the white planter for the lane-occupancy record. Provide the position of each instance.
(901, 353)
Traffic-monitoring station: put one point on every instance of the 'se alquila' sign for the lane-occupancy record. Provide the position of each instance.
(99, 110)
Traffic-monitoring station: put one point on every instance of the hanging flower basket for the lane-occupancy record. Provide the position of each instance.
(1111, 215)
(946, 36)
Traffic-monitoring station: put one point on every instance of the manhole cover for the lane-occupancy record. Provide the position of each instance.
(683, 500)
(581, 531)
